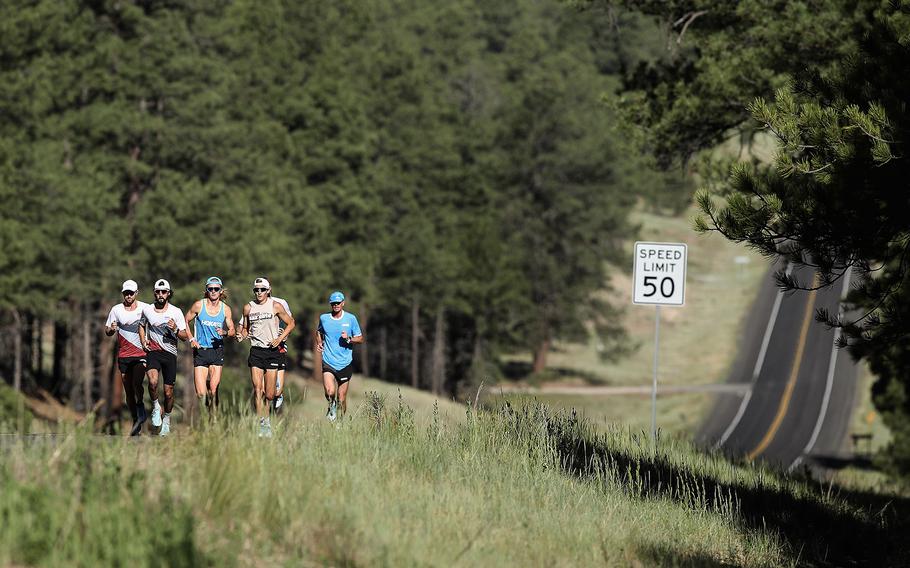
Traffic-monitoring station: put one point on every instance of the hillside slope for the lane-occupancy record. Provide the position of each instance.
(515, 487)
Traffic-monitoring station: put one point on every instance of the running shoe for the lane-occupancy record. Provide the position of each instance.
(332, 414)
(278, 402)
(141, 416)
(156, 414)
(265, 431)
(165, 426)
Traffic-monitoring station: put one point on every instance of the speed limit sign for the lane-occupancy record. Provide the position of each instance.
(659, 275)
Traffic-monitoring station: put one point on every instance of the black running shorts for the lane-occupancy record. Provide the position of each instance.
(166, 365)
(203, 357)
(265, 358)
(341, 375)
(124, 363)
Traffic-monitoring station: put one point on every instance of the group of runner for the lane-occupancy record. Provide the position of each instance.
(147, 336)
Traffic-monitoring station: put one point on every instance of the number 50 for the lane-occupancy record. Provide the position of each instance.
(650, 285)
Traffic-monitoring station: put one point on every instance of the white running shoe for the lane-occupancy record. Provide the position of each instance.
(165, 425)
(156, 414)
(332, 414)
(278, 402)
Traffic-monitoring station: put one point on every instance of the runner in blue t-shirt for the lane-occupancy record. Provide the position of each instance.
(336, 336)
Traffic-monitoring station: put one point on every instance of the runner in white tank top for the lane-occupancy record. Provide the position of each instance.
(260, 324)
(283, 365)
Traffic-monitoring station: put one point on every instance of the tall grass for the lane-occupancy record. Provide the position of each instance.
(519, 485)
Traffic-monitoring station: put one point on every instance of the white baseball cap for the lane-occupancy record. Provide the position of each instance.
(261, 283)
(163, 284)
(129, 286)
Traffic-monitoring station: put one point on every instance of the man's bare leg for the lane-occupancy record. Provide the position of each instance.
(331, 395)
(343, 396)
(212, 387)
(153, 376)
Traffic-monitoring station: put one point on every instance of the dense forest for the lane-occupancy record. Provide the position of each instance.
(451, 166)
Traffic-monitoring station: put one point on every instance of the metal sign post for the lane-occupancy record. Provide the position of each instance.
(654, 383)
(659, 279)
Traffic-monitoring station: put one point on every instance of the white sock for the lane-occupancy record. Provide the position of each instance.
(157, 405)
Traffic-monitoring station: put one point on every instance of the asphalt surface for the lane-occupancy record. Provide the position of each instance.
(798, 408)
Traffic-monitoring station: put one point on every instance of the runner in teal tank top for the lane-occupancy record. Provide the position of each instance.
(213, 322)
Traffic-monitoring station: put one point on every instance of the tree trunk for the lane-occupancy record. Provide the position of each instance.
(478, 364)
(103, 355)
(415, 343)
(72, 367)
(540, 355)
(17, 350)
(28, 343)
(109, 370)
(383, 354)
(87, 370)
(38, 363)
(438, 371)
(364, 350)
(317, 357)
(61, 338)
(303, 340)
(189, 387)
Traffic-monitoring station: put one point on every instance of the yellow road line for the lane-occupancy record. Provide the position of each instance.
(791, 383)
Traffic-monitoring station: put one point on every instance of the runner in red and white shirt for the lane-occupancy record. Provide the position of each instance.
(162, 324)
(123, 320)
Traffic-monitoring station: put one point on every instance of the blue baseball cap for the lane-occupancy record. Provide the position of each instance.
(213, 280)
(336, 296)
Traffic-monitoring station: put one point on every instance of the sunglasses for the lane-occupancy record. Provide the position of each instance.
(260, 290)
(129, 292)
(213, 289)
(334, 303)
(162, 292)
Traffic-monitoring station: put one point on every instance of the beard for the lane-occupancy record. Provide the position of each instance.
(159, 302)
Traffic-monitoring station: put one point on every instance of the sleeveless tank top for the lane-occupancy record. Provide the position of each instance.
(263, 323)
(206, 324)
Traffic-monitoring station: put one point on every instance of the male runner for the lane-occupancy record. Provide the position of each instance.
(123, 320)
(165, 323)
(336, 336)
(260, 324)
(213, 322)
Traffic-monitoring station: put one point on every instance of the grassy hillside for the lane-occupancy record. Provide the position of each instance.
(517, 486)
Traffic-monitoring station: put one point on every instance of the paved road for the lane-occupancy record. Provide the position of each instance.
(799, 404)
